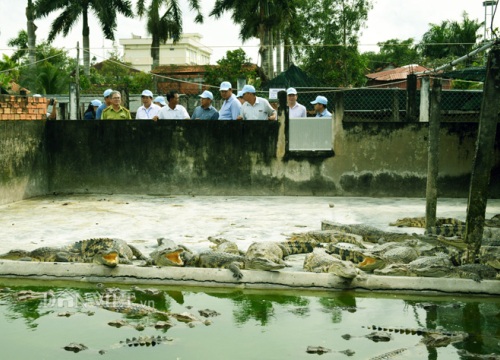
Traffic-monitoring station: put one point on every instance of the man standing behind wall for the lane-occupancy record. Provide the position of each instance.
(148, 110)
(230, 109)
(320, 106)
(116, 111)
(295, 110)
(205, 111)
(104, 105)
(173, 111)
(255, 108)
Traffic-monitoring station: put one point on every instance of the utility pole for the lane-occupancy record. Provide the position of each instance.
(483, 159)
(31, 28)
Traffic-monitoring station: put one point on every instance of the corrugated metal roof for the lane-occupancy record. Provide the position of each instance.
(399, 73)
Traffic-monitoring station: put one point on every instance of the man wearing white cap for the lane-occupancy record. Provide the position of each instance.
(239, 96)
(295, 110)
(105, 104)
(205, 111)
(320, 106)
(255, 108)
(160, 101)
(147, 110)
(231, 106)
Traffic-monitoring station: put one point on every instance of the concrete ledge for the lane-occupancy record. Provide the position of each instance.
(131, 274)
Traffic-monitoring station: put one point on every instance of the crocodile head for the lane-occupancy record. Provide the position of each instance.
(109, 257)
(169, 257)
(262, 263)
(16, 254)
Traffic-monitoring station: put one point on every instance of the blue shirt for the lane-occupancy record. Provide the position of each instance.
(99, 111)
(325, 113)
(230, 109)
(205, 114)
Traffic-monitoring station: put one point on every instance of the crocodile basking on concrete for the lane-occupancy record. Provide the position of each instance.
(319, 261)
(266, 256)
(105, 251)
(440, 266)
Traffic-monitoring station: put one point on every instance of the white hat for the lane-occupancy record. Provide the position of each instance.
(107, 93)
(147, 93)
(291, 91)
(320, 100)
(160, 100)
(247, 89)
(207, 95)
(240, 94)
(96, 102)
(37, 95)
(225, 85)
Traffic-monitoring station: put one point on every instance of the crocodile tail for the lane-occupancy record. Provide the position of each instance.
(446, 230)
(297, 247)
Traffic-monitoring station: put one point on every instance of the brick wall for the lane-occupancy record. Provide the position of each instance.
(23, 108)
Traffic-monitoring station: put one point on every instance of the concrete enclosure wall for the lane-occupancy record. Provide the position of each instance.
(23, 160)
(230, 158)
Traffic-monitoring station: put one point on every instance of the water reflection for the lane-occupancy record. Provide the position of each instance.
(261, 307)
(480, 321)
(323, 319)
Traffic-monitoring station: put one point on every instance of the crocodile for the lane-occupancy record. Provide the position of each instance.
(327, 236)
(368, 233)
(107, 257)
(440, 266)
(359, 257)
(420, 222)
(418, 331)
(167, 254)
(320, 262)
(145, 341)
(132, 309)
(104, 251)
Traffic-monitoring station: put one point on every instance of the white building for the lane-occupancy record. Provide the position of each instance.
(187, 51)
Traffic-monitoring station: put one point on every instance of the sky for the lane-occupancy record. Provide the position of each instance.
(389, 19)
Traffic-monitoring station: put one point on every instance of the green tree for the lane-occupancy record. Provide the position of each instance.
(105, 12)
(235, 65)
(329, 48)
(392, 52)
(166, 26)
(451, 39)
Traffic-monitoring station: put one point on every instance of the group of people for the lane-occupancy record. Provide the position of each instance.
(246, 105)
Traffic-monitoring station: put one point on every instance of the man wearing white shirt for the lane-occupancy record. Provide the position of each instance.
(295, 110)
(173, 111)
(148, 110)
(255, 108)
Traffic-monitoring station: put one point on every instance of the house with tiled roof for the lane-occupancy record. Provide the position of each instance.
(396, 78)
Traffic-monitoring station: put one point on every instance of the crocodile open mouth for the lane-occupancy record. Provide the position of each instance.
(110, 258)
(174, 257)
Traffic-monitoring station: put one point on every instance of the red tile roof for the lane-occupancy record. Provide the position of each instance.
(399, 73)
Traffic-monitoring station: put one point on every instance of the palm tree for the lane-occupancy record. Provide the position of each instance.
(104, 10)
(261, 19)
(166, 26)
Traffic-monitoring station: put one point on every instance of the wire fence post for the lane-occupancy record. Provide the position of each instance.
(433, 154)
(411, 97)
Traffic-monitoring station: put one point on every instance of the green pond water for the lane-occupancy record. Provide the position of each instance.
(249, 325)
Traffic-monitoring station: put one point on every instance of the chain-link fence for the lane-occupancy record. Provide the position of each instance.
(359, 104)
